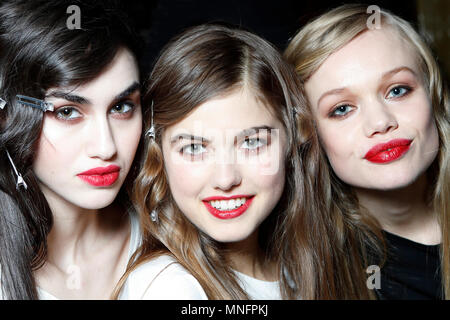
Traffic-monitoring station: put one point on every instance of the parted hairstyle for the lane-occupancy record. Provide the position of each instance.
(38, 52)
(200, 64)
(310, 47)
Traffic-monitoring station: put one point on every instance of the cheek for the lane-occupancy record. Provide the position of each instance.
(127, 139)
(186, 179)
(268, 174)
(55, 151)
(338, 143)
(419, 116)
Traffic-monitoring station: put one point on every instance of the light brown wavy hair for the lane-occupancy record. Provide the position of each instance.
(310, 47)
(200, 64)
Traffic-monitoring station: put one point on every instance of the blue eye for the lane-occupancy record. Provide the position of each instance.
(399, 91)
(193, 149)
(252, 143)
(67, 113)
(122, 107)
(341, 111)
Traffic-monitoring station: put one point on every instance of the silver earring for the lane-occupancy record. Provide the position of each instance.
(154, 216)
(20, 181)
(151, 132)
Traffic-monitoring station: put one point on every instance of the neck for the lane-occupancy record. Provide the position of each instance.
(247, 257)
(77, 232)
(403, 211)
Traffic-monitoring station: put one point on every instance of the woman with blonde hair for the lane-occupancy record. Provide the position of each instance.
(231, 159)
(382, 114)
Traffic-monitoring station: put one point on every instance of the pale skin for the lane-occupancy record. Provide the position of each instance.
(212, 138)
(369, 92)
(94, 125)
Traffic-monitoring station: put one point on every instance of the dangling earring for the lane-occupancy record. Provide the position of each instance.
(20, 181)
(151, 132)
(154, 216)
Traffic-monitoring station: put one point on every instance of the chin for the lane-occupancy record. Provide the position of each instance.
(391, 182)
(226, 237)
(95, 203)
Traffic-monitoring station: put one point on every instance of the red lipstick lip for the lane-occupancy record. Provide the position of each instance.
(101, 170)
(229, 214)
(389, 151)
(228, 198)
(101, 176)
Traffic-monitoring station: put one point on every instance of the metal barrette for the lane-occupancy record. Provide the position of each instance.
(20, 181)
(2, 103)
(35, 103)
(151, 132)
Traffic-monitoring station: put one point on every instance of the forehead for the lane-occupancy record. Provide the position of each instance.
(234, 111)
(366, 57)
(119, 74)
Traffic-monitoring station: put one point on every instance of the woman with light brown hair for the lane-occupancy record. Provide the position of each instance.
(230, 161)
(382, 114)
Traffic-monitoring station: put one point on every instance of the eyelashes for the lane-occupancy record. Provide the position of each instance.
(71, 114)
(249, 145)
(397, 92)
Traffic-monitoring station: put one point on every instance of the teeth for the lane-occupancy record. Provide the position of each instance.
(226, 205)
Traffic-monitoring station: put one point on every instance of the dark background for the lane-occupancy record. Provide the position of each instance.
(276, 20)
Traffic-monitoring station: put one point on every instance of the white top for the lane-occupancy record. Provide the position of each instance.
(162, 278)
(259, 289)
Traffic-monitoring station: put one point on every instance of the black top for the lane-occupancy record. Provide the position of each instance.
(411, 271)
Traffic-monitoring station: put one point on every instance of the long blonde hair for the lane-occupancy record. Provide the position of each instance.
(311, 46)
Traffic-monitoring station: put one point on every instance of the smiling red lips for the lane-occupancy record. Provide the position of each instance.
(228, 213)
(387, 152)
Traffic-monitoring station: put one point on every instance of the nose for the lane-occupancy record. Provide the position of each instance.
(378, 119)
(100, 140)
(226, 176)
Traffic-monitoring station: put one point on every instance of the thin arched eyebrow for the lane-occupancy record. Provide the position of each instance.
(392, 72)
(67, 95)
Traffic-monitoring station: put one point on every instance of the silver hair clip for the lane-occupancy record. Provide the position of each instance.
(151, 132)
(20, 181)
(2, 104)
(35, 103)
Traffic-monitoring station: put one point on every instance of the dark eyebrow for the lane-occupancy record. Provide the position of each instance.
(128, 91)
(185, 136)
(82, 100)
(69, 97)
